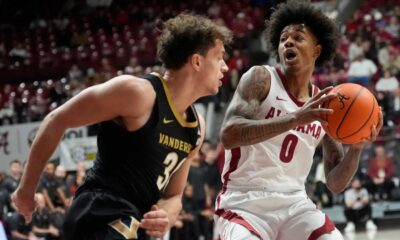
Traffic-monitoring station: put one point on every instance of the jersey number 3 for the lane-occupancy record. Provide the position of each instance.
(170, 166)
(288, 146)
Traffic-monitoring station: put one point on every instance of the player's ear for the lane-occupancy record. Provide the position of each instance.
(195, 61)
(317, 50)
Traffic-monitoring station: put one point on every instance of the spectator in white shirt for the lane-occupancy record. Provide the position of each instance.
(387, 88)
(356, 48)
(357, 206)
(361, 70)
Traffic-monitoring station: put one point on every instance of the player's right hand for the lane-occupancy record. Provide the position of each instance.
(24, 203)
(312, 110)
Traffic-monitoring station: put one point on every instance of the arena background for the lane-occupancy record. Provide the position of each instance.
(50, 50)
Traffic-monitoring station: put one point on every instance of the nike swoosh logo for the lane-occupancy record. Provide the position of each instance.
(166, 121)
(280, 99)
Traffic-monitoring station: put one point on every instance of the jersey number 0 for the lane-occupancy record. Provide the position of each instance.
(288, 146)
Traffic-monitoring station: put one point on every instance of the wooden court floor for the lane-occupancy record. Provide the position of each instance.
(383, 234)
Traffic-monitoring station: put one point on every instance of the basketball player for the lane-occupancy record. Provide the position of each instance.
(148, 132)
(272, 128)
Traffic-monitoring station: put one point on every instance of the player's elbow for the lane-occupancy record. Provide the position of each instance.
(55, 120)
(334, 187)
(229, 136)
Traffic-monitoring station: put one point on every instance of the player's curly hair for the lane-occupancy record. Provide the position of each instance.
(187, 34)
(298, 12)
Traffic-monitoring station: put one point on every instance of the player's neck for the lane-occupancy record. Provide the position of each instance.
(298, 82)
(181, 89)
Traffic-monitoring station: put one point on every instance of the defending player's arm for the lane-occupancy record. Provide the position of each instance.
(163, 215)
(240, 128)
(339, 167)
(124, 96)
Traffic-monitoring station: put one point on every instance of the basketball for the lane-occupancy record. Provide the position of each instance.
(355, 112)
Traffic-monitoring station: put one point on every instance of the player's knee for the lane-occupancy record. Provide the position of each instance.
(334, 235)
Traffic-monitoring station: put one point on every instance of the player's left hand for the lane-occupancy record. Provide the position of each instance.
(374, 133)
(155, 222)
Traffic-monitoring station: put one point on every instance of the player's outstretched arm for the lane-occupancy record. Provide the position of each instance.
(240, 127)
(124, 96)
(163, 215)
(339, 167)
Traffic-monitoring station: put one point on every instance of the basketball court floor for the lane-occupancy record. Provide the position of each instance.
(384, 234)
(385, 215)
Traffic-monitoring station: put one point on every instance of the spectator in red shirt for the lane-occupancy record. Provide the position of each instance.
(380, 173)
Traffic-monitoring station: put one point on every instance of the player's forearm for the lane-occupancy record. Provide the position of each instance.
(40, 230)
(242, 132)
(173, 206)
(339, 177)
(43, 146)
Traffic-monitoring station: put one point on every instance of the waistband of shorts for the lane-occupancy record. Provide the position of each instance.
(264, 189)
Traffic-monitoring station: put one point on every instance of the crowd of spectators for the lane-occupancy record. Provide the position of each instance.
(75, 51)
(46, 60)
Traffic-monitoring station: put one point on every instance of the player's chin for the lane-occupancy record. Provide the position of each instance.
(214, 91)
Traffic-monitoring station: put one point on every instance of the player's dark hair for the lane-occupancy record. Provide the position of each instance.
(187, 34)
(301, 12)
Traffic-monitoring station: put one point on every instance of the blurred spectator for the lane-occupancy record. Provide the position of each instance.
(361, 70)
(57, 93)
(12, 180)
(106, 70)
(133, 67)
(357, 207)
(42, 225)
(20, 230)
(356, 48)
(18, 54)
(387, 88)
(188, 216)
(4, 198)
(394, 63)
(76, 179)
(241, 24)
(75, 73)
(384, 55)
(211, 158)
(201, 196)
(38, 106)
(75, 88)
(380, 173)
(61, 22)
(61, 177)
(49, 187)
(329, 76)
(393, 28)
(354, 22)
(323, 194)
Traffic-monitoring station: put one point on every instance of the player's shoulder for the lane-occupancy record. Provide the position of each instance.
(132, 83)
(255, 82)
(257, 72)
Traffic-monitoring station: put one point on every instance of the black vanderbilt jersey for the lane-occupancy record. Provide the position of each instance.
(138, 165)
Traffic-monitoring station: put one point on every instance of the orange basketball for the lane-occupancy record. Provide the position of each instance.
(355, 111)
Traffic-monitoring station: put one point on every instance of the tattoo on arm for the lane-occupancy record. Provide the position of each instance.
(260, 131)
(339, 167)
(240, 127)
(332, 153)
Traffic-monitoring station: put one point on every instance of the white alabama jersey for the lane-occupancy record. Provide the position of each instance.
(281, 163)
